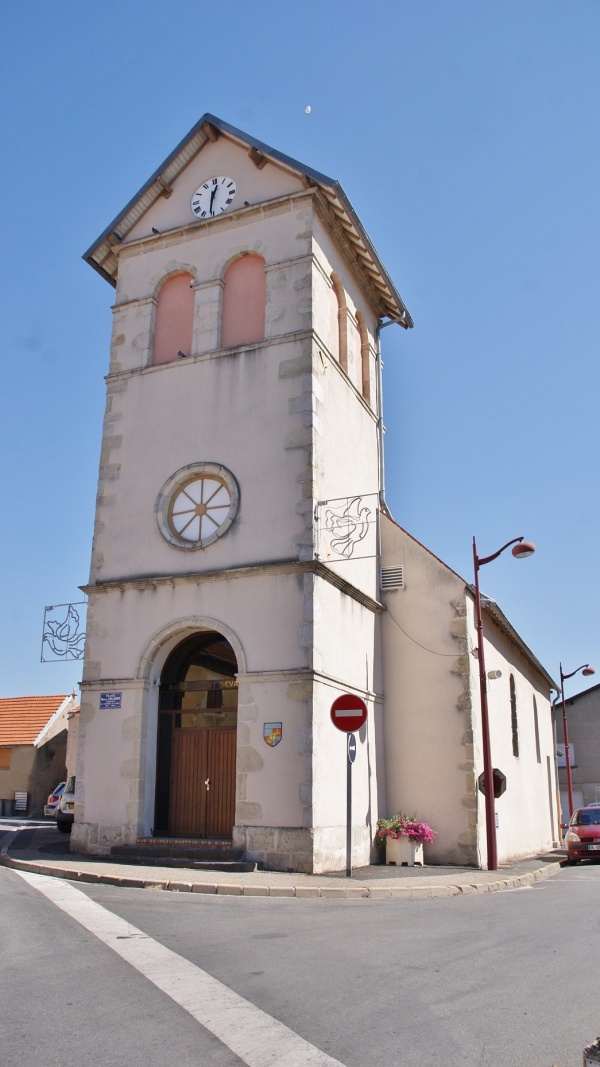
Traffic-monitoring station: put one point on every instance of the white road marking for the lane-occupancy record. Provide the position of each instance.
(257, 1038)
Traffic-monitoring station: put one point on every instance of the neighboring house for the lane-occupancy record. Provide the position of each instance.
(235, 587)
(583, 725)
(33, 745)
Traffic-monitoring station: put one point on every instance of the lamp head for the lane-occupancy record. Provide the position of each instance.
(588, 670)
(523, 549)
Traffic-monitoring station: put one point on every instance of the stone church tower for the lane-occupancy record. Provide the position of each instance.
(234, 585)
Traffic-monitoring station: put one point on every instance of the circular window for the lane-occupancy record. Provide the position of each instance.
(197, 505)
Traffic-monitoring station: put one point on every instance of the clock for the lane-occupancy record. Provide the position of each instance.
(213, 197)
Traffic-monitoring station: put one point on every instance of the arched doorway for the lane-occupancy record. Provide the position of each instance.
(197, 734)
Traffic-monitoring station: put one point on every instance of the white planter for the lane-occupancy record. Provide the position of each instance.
(403, 852)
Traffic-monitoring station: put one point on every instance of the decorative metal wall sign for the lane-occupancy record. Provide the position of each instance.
(64, 633)
(272, 733)
(346, 528)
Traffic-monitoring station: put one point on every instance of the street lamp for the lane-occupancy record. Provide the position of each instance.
(521, 549)
(586, 670)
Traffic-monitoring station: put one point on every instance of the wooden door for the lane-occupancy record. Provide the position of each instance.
(202, 794)
(220, 797)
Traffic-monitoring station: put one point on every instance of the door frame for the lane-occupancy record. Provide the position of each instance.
(182, 656)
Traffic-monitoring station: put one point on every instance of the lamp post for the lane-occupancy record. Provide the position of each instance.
(586, 670)
(521, 549)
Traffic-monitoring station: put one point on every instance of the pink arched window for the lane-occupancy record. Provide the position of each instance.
(174, 320)
(365, 357)
(244, 298)
(354, 361)
(339, 317)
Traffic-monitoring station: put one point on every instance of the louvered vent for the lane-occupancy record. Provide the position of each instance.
(392, 578)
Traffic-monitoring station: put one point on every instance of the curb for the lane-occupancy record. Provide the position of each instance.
(352, 892)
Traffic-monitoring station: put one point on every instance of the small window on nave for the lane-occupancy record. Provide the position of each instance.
(244, 298)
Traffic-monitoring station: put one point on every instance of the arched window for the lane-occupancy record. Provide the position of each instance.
(244, 298)
(354, 367)
(174, 320)
(513, 716)
(536, 727)
(339, 312)
(365, 357)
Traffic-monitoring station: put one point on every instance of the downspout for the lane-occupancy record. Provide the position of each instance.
(401, 320)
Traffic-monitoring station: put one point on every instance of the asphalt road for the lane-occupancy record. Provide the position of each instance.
(498, 979)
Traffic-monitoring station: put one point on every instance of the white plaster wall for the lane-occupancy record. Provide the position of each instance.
(432, 716)
(265, 612)
(330, 259)
(131, 633)
(214, 411)
(527, 810)
(427, 704)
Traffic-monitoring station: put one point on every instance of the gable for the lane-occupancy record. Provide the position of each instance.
(221, 158)
(212, 148)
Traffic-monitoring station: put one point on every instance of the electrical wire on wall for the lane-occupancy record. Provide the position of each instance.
(448, 655)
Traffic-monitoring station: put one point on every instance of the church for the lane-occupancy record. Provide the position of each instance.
(245, 569)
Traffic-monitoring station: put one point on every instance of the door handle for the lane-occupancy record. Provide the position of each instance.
(207, 784)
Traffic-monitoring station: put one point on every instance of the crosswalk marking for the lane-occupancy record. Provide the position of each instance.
(257, 1038)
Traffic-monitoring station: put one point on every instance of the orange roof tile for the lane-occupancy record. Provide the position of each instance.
(22, 718)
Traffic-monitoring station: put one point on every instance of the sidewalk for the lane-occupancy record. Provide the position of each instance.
(43, 851)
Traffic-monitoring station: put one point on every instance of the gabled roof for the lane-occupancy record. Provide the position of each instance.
(23, 718)
(102, 258)
(491, 608)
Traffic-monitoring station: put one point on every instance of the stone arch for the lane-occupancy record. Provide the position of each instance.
(162, 643)
(149, 670)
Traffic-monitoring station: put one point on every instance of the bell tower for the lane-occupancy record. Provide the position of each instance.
(234, 590)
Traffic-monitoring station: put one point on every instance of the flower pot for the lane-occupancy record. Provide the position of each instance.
(403, 852)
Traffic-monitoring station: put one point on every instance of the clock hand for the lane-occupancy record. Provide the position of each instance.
(212, 198)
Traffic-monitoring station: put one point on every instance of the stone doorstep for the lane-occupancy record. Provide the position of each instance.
(190, 853)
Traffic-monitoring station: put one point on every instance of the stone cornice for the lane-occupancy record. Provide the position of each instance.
(228, 220)
(252, 570)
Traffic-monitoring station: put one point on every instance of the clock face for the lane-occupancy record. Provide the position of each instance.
(213, 197)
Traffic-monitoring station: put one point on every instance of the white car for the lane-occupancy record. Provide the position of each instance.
(52, 803)
(65, 812)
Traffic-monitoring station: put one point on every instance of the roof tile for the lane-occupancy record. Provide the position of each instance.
(22, 718)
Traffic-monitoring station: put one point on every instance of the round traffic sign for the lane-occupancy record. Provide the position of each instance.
(348, 713)
(351, 748)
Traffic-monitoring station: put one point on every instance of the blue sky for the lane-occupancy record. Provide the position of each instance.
(466, 136)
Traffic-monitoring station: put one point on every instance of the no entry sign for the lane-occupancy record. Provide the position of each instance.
(348, 713)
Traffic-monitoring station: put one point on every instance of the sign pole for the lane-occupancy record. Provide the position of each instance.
(348, 713)
(351, 751)
(349, 817)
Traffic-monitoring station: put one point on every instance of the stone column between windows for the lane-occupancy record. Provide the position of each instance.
(207, 315)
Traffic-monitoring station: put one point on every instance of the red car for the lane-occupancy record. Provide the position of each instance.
(583, 835)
